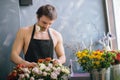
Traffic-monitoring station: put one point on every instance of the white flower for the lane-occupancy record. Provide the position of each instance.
(57, 72)
(21, 76)
(65, 70)
(35, 70)
(54, 69)
(44, 73)
(50, 65)
(58, 69)
(25, 70)
(64, 77)
(42, 66)
(27, 75)
(60, 65)
(53, 75)
(32, 78)
(40, 72)
(19, 79)
(40, 79)
(48, 69)
(37, 28)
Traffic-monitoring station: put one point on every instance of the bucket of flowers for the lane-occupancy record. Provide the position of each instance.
(96, 62)
(115, 69)
(46, 69)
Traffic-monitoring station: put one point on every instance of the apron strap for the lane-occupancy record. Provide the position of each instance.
(33, 31)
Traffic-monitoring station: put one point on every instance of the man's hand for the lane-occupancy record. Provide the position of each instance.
(29, 64)
(56, 61)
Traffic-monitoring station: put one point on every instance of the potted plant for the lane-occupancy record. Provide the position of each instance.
(115, 68)
(95, 61)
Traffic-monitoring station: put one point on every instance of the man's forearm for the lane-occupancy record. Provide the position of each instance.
(17, 59)
(62, 59)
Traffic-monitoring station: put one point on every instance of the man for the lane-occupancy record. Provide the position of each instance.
(39, 40)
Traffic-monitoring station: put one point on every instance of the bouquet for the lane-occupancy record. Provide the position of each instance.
(117, 58)
(46, 69)
(115, 68)
(96, 59)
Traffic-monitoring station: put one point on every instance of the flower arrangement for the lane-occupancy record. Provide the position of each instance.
(117, 58)
(46, 69)
(115, 68)
(96, 59)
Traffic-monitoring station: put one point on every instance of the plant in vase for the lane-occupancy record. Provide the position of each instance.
(115, 69)
(117, 58)
(95, 60)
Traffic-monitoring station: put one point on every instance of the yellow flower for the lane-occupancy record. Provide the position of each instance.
(97, 62)
(102, 59)
(83, 54)
(83, 61)
(91, 57)
(98, 57)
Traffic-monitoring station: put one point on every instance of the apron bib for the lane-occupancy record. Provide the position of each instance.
(39, 49)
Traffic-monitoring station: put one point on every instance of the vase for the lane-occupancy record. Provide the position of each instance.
(115, 72)
(103, 74)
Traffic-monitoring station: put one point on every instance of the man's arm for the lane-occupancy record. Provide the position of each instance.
(17, 48)
(60, 50)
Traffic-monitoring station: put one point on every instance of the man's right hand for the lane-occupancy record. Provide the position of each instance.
(29, 64)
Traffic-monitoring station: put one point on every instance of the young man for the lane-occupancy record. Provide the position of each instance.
(39, 40)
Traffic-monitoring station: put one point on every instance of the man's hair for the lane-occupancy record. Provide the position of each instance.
(48, 11)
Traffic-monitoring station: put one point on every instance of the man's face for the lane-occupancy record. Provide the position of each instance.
(44, 23)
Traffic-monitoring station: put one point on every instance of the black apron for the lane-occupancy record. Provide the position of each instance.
(39, 49)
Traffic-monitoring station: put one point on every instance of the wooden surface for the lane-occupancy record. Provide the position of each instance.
(80, 76)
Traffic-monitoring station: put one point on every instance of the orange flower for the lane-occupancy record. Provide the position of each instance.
(12, 75)
(41, 60)
(118, 57)
(20, 66)
(44, 60)
(48, 59)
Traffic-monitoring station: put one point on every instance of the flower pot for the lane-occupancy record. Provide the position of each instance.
(115, 72)
(103, 74)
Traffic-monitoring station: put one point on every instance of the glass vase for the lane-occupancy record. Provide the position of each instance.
(115, 72)
(103, 74)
